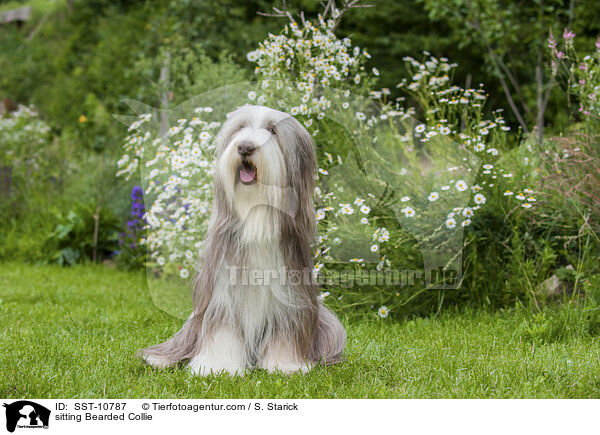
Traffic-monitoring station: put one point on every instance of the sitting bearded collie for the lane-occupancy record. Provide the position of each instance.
(255, 296)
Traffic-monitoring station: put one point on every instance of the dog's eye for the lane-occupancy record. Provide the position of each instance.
(272, 130)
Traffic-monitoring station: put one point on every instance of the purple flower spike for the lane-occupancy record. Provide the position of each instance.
(551, 41)
(568, 35)
(136, 192)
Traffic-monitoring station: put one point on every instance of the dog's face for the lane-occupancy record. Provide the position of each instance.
(264, 157)
(250, 153)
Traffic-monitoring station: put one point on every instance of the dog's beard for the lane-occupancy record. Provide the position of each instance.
(257, 191)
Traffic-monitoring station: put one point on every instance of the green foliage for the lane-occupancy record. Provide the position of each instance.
(190, 72)
(27, 158)
(47, 182)
(77, 65)
(511, 37)
(75, 237)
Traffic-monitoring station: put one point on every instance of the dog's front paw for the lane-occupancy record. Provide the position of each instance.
(281, 358)
(222, 352)
(202, 368)
(288, 367)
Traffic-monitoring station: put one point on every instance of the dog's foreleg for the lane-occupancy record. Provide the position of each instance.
(222, 351)
(280, 356)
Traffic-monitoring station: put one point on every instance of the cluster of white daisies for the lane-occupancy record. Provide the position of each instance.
(178, 172)
(22, 130)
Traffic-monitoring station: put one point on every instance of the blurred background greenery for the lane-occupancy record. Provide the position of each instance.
(75, 60)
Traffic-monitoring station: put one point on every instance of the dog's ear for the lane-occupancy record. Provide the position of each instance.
(222, 138)
(306, 153)
(302, 166)
(224, 135)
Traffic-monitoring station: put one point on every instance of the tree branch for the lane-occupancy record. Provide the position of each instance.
(329, 8)
(512, 79)
(512, 104)
(499, 63)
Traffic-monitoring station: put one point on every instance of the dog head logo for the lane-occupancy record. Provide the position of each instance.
(26, 414)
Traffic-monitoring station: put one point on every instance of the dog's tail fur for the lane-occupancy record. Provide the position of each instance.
(182, 346)
(329, 339)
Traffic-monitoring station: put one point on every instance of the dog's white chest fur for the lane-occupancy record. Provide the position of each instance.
(247, 302)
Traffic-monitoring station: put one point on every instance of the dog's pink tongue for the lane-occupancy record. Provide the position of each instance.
(247, 174)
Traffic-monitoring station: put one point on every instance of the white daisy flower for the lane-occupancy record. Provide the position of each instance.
(460, 185)
(323, 295)
(408, 211)
(383, 312)
(384, 236)
(184, 273)
(405, 199)
(374, 248)
(346, 209)
(433, 196)
(479, 199)
(365, 209)
(451, 223)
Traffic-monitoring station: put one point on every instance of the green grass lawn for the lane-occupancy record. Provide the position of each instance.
(72, 333)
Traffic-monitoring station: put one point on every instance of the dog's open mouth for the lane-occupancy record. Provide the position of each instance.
(247, 173)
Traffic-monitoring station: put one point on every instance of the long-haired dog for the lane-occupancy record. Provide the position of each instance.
(255, 297)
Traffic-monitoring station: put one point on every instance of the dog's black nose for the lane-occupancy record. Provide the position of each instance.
(245, 148)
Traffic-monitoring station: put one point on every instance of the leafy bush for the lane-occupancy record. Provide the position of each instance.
(25, 159)
(86, 233)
